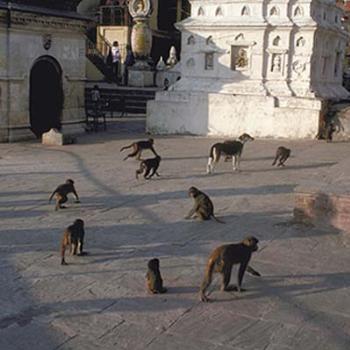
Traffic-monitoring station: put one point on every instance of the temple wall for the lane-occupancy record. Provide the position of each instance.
(257, 67)
(25, 41)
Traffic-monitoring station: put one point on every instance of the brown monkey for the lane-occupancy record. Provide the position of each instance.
(203, 206)
(154, 279)
(147, 166)
(282, 154)
(138, 147)
(61, 193)
(223, 258)
(73, 237)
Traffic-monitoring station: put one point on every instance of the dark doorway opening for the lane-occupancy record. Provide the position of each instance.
(46, 95)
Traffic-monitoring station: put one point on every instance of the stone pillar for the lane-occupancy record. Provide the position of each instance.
(141, 73)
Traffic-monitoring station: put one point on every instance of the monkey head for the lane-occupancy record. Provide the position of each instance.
(79, 223)
(251, 242)
(158, 158)
(153, 264)
(151, 141)
(193, 192)
(69, 181)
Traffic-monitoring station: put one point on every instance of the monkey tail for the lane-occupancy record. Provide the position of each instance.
(125, 147)
(208, 275)
(274, 162)
(218, 220)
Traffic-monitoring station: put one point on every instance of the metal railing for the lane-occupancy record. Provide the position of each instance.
(114, 16)
(103, 45)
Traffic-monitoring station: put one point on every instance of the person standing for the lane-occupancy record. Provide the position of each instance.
(116, 60)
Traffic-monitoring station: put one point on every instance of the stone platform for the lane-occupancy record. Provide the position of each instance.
(99, 301)
(325, 199)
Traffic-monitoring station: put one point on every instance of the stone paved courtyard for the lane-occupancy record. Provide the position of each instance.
(99, 301)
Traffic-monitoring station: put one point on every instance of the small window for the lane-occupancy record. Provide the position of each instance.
(209, 61)
(218, 12)
(276, 41)
(191, 40)
(240, 36)
(300, 42)
(200, 11)
(209, 40)
(298, 12)
(245, 11)
(274, 11)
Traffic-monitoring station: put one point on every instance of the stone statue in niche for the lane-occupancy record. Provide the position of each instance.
(276, 63)
(242, 58)
(209, 61)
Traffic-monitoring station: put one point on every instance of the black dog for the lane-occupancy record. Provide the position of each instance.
(228, 148)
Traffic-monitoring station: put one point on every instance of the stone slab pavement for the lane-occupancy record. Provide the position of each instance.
(99, 301)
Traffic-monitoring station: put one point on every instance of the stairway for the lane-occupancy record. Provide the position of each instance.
(117, 98)
(98, 59)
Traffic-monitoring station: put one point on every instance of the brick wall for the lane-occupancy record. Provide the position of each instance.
(323, 209)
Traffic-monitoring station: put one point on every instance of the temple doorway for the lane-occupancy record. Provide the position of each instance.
(46, 95)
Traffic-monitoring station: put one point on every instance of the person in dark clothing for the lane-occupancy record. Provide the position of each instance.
(129, 61)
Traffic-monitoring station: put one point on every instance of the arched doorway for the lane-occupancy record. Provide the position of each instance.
(46, 95)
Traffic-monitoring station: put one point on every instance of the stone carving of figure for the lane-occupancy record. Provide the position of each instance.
(276, 63)
(139, 7)
(242, 58)
(172, 60)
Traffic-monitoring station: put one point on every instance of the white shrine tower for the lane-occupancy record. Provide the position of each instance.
(256, 66)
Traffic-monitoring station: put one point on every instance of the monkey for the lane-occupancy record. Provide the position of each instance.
(147, 166)
(203, 206)
(73, 237)
(282, 154)
(61, 193)
(138, 147)
(223, 258)
(228, 148)
(154, 280)
(330, 130)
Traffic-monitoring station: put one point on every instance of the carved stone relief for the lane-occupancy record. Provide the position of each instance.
(276, 63)
(298, 67)
(190, 62)
(239, 57)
